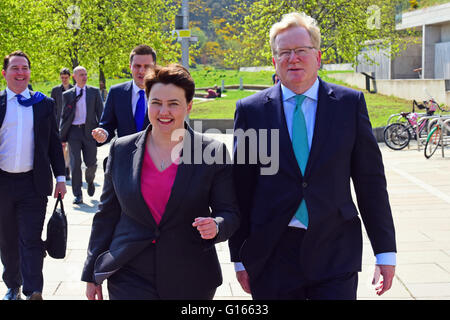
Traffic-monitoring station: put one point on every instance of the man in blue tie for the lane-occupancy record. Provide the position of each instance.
(125, 107)
(300, 235)
(30, 149)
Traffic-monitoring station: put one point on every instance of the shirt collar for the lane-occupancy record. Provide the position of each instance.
(312, 92)
(78, 89)
(25, 93)
(136, 89)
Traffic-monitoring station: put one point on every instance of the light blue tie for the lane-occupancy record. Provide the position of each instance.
(301, 150)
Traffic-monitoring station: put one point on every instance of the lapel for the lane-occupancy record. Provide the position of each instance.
(89, 105)
(137, 160)
(326, 107)
(2, 106)
(275, 111)
(37, 114)
(183, 176)
(128, 101)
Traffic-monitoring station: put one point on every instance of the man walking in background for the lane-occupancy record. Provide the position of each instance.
(126, 104)
(56, 94)
(82, 110)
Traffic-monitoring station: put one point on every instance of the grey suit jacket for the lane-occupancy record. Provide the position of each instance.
(94, 109)
(186, 266)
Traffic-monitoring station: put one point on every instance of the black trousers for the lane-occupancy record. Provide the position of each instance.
(22, 218)
(137, 280)
(78, 144)
(282, 278)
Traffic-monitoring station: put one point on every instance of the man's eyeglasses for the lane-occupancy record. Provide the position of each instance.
(299, 52)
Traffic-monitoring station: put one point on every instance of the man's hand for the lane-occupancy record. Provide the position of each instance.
(206, 226)
(99, 134)
(387, 272)
(244, 280)
(60, 188)
(94, 291)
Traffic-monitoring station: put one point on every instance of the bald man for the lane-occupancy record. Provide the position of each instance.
(83, 107)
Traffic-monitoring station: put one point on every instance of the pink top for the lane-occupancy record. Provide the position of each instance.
(156, 186)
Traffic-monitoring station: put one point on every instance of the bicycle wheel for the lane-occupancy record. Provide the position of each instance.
(433, 141)
(396, 136)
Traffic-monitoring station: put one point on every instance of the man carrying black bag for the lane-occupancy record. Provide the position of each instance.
(30, 149)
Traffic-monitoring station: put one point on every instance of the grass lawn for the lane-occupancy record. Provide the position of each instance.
(380, 107)
(219, 108)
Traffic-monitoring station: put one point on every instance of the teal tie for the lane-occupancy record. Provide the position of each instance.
(301, 150)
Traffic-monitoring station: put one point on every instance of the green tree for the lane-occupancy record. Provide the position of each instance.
(345, 27)
(98, 34)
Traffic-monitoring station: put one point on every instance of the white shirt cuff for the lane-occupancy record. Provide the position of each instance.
(61, 179)
(386, 258)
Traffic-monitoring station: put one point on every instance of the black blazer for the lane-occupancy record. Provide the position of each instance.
(118, 112)
(56, 95)
(48, 153)
(94, 109)
(343, 148)
(186, 266)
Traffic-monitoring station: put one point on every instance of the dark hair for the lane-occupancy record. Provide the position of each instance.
(142, 50)
(64, 71)
(174, 74)
(12, 54)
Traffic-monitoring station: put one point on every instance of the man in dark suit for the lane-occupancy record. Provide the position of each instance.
(125, 107)
(83, 107)
(56, 94)
(30, 150)
(300, 235)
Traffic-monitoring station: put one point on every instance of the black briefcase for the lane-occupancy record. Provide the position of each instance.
(56, 242)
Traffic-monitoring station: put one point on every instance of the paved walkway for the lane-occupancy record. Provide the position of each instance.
(419, 191)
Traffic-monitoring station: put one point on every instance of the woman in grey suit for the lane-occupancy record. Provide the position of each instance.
(168, 198)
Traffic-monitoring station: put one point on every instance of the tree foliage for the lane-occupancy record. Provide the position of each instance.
(98, 34)
(345, 25)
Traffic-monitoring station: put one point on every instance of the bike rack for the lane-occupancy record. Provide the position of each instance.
(432, 119)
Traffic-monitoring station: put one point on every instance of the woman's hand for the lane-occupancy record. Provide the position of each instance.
(206, 226)
(93, 290)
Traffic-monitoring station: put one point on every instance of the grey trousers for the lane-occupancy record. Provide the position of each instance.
(78, 144)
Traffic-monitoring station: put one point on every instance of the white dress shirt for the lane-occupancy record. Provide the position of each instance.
(17, 135)
(80, 108)
(309, 108)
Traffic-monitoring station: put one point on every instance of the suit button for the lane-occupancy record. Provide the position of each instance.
(304, 184)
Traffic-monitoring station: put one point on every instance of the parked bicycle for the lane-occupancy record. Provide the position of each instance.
(398, 135)
(436, 137)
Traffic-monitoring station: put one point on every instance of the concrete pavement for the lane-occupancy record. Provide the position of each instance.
(419, 191)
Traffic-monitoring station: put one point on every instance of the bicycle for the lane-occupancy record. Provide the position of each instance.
(398, 135)
(435, 138)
